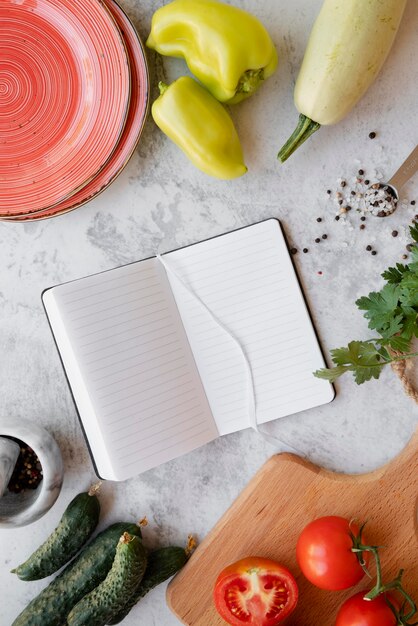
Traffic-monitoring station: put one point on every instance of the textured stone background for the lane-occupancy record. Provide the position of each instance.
(161, 202)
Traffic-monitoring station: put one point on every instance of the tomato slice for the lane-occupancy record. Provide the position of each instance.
(255, 591)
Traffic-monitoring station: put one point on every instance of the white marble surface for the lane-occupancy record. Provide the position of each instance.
(161, 202)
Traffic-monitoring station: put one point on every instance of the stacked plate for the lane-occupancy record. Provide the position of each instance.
(74, 91)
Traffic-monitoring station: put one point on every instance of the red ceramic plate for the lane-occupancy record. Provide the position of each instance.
(64, 96)
(133, 127)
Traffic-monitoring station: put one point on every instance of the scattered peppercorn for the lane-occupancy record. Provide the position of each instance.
(348, 207)
(319, 273)
(409, 247)
(305, 250)
(413, 202)
(362, 226)
(319, 219)
(372, 135)
(367, 182)
(337, 217)
(324, 236)
(343, 183)
(317, 240)
(329, 192)
(293, 251)
(353, 193)
(394, 233)
(363, 218)
(368, 248)
(361, 172)
(416, 217)
(404, 256)
(374, 252)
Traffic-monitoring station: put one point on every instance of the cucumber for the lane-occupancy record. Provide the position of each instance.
(97, 607)
(162, 564)
(76, 525)
(89, 569)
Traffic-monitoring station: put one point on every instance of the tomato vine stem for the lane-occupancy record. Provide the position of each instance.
(402, 616)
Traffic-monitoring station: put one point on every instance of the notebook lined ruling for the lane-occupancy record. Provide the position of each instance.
(153, 374)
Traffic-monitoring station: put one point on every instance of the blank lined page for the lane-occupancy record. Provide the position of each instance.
(247, 281)
(130, 367)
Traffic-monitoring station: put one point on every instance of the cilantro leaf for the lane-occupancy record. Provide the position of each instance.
(380, 307)
(360, 357)
(393, 313)
(394, 275)
(409, 290)
(410, 325)
(331, 374)
(413, 230)
(397, 343)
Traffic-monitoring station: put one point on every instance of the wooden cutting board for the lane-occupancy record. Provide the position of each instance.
(268, 516)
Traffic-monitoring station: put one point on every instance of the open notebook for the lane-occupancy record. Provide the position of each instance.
(152, 373)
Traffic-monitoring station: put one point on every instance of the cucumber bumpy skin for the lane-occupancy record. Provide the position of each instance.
(89, 569)
(97, 607)
(162, 564)
(76, 525)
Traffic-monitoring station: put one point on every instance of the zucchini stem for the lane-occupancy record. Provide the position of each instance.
(305, 128)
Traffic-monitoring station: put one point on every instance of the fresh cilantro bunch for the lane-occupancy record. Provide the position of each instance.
(393, 313)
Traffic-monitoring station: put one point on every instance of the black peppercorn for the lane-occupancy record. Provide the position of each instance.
(317, 240)
(368, 248)
(374, 252)
(319, 219)
(372, 135)
(362, 226)
(394, 233)
(305, 250)
(363, 219)
(293, 251)
(361, 172)
(324, 236)
(337, 217)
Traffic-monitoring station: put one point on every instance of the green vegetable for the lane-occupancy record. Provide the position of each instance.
(89, 569)
(162, 564)
(226, 48)
(348, 45)
(98, 607)
(201, 127)
(76, 525)
(393, 314)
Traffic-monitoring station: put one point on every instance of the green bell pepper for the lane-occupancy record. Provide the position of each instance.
(226, 48)
(191, 117)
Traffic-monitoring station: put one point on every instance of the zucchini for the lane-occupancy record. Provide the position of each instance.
(162, 564)
(97, 607)
(76, 525)
(89, 569)
(348, 45)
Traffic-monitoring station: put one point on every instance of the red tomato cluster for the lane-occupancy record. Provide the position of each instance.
(260, 592)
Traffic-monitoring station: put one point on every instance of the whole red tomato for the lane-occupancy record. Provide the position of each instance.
(324, 554)
(256, 592)
(359, 612)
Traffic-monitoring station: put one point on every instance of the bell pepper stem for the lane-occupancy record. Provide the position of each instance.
(162, 87)
(305, 128)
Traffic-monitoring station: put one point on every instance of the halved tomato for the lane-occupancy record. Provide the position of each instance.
(255, 591)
